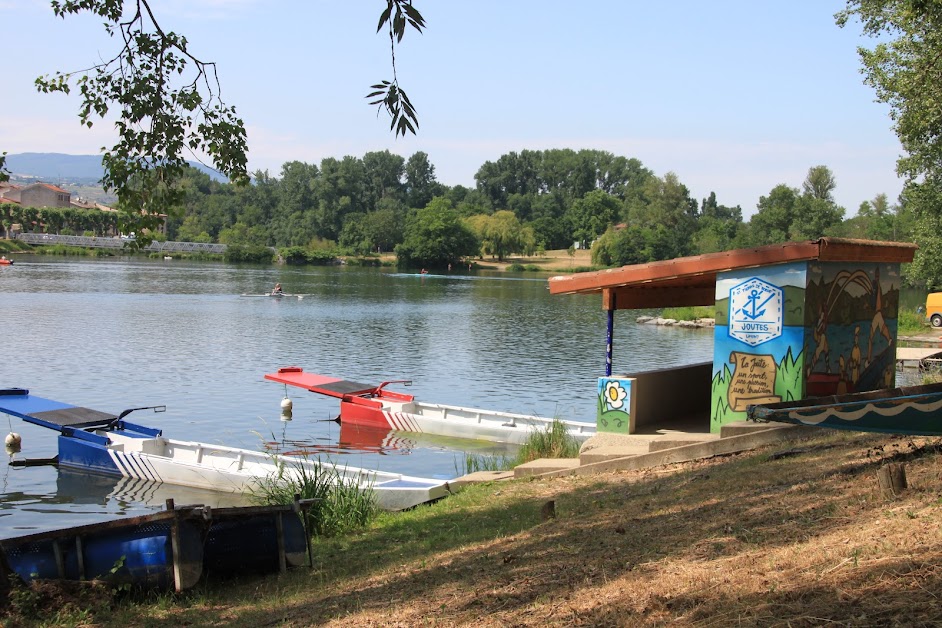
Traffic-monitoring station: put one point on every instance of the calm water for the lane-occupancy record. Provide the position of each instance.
(113, 334)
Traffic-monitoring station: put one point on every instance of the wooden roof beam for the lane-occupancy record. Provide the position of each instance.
(637, 298)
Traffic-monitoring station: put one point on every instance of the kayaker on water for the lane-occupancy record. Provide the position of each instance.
(277, 289)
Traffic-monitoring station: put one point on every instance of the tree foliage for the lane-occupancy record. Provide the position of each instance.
(904, 70)
(168, 104)
(435, 236)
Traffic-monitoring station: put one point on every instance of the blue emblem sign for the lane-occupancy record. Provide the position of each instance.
(755, 311)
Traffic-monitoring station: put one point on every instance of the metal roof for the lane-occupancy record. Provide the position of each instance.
(692, 280)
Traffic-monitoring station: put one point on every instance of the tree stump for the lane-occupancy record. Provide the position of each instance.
(892, 479)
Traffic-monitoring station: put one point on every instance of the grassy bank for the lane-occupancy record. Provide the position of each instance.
(793, 534)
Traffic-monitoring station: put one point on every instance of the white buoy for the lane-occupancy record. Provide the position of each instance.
(13, 440)
(286, 408)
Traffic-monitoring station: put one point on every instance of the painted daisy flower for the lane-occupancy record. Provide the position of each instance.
(615, 395)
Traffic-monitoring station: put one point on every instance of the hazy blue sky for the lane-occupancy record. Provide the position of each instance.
(734, 96)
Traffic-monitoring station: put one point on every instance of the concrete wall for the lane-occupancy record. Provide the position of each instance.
(668, 395)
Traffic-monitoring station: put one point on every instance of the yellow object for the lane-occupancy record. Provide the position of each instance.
(934, 308)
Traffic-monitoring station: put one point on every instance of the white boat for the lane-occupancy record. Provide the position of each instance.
(278, 295)
(374, 406)
(101, 442)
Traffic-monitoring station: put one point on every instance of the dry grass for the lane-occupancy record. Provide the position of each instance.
(752, 539)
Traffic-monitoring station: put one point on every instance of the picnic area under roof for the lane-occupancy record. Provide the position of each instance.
(692, 280)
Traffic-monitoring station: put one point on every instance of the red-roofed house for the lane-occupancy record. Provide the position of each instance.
(39, 195)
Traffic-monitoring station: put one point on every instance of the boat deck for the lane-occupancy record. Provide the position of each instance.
(48, 413)
(918, 357)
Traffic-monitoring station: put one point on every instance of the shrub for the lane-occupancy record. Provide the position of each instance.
(342, 504)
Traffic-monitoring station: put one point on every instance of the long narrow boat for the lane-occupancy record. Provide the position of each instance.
(370, 405)
(102, 442)
(175, 547)
(278, 295)
(915, 410)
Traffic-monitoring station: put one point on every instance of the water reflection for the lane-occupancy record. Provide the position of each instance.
(126, 495)
(113, 334)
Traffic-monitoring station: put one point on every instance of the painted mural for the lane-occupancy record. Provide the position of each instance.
(807, 329)
(758, 339)
(614, 405)
(850, 322)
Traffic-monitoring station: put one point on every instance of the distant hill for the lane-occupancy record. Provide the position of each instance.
(62, 169)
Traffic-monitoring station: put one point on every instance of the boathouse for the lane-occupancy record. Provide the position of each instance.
(792, 321)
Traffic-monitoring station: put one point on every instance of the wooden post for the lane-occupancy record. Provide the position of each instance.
(892, 479)
(280, 536)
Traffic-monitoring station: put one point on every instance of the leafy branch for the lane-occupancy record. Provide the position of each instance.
(158, 117)
(391, 96)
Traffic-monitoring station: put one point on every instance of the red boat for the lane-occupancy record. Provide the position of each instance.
(5, 262)
(374, 406)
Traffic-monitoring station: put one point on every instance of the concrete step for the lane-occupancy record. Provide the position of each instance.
(610, 452)
(545, 465)
(669, 441)
(738, 428)
(480, 476)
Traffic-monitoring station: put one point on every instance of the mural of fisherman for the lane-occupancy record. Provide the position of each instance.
(846, 301)
(878, 326)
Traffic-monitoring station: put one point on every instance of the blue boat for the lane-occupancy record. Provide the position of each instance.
(914, 410)
(151, 551)
(171, 548)
(105, 443)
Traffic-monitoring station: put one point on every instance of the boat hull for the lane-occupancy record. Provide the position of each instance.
(375, 406)
(914, 410)
(455, 421)
(136, 552)
(173, 548)
(232, 470)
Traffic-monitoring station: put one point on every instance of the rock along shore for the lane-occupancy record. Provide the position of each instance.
(697, 323)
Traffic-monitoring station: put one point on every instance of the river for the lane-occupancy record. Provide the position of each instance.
(117, 333)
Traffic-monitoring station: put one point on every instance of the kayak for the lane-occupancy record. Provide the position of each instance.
(6, 262)
(278, 295)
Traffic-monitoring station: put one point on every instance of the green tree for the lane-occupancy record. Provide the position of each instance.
(718, 228)
(421, 184)
(435, 236)
(819, 183)
(903, 69)
(591, 215)
(168, 102)
(666, 214)
(776, 214)
(501, 234)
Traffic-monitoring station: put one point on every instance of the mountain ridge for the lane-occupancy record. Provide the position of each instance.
(63, 168)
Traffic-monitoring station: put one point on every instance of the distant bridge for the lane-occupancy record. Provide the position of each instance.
(118, 243)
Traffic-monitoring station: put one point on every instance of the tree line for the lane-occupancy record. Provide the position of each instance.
(522, 203)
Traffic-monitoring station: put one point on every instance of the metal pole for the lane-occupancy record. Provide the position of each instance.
(609, 334)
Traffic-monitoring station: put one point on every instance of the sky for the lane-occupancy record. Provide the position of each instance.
(733, 96)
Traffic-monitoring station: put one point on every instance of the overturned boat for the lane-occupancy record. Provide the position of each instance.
(375, 406)
(915, 410)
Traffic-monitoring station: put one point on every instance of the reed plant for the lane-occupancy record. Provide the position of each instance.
(341, 504)
(689, 313)
(554, 441)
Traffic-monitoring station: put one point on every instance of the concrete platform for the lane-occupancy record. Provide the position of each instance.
(545, 465)
(613, 452)
(669, 441)
(479, 477)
